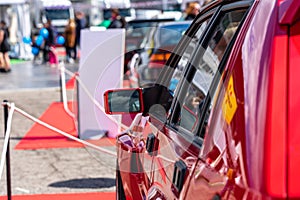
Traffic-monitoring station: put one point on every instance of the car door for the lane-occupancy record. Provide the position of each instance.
(193, 76)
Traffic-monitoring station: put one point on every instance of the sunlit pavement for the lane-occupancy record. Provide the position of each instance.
(31, 74)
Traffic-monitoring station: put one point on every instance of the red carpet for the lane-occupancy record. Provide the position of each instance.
(71, 83)
(74, 196)
(39, 137)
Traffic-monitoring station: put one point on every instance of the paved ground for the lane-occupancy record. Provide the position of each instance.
(33, 88)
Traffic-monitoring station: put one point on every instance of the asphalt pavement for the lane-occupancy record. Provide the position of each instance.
(33, 87)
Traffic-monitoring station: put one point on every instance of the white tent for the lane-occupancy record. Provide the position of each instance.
(9, 2)
(16, 13)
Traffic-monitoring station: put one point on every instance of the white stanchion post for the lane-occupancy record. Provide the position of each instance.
(64, 98)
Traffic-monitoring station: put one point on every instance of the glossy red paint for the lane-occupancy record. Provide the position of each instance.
(131, 171)
(293, 151)
(276, 127)
(289, 11)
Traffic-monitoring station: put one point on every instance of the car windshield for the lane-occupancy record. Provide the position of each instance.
(135, 36)
(171, 34)
(137, 31)
(54, 14)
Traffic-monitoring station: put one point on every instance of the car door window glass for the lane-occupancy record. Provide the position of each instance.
(204, 68)
(186, 57)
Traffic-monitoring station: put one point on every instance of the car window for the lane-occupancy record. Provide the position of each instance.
(163, 36)
(184, 60)
(134, 37)
(170, 35)
(204, 67)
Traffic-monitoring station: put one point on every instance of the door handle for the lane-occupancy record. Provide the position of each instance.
(152, 144)
(179, 174)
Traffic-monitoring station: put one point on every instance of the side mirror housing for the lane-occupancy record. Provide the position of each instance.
(136, 100)
(122, 101)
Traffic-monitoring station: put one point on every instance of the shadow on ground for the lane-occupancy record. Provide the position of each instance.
(85, 183)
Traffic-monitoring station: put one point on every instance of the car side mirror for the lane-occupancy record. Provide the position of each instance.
(136, 100)
(121, 101)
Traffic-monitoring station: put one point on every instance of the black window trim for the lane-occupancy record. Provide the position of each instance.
(166, 73)
(212, 13)
(175, 57)
(198, 138)
(220, 70)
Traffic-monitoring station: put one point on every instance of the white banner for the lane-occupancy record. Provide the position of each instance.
(100, 69)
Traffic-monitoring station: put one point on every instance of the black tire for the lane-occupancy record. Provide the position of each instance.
(119, 185)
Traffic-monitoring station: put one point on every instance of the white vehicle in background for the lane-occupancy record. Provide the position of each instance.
(58, 11)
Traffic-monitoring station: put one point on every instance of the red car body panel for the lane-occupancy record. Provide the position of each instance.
(288, 11)
(257, 154)
(293, 151)
(167, 155)
(131, 171)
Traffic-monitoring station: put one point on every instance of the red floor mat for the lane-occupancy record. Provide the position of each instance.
(74, 196)
(39, 137)
(70, 85)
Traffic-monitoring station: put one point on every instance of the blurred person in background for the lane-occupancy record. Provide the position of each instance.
(80, 24)
(4, 48)
(192, 10)
(117, 21)
(49, 46)
(70, 41)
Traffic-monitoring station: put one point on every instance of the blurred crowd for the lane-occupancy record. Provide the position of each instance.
(116, 20)
(70, 41)
(44, 45)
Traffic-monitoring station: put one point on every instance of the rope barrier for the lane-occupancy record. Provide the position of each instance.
(64, 93)
(94, 101)
(13, 108)
(62, 132)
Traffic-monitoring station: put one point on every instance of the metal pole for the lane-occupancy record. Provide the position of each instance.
(8, 178)
(61, 92)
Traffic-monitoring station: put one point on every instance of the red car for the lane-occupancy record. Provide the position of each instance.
(222, 120)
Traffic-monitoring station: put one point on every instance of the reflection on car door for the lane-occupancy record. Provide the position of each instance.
(195, 83)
